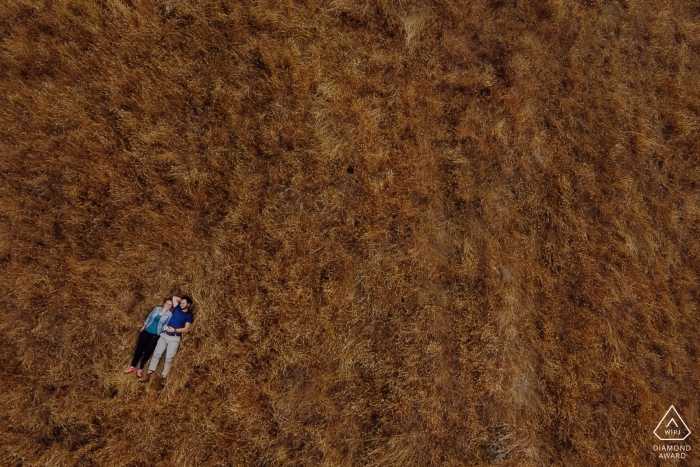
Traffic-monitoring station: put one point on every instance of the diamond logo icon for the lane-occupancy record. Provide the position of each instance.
(672, 427)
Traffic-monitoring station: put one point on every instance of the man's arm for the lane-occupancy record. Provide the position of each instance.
(185, 329)
(176, 301)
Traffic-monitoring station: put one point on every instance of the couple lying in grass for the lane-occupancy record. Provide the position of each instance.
(162, 332)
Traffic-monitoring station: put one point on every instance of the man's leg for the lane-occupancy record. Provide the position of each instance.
(160, 348)
(173, 344)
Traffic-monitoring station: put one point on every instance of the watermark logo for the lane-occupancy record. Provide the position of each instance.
(672, 427)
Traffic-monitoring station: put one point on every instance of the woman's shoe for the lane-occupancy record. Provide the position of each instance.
(138, 372)
(130, 369)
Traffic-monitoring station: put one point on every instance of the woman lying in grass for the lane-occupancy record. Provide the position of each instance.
(150, 331)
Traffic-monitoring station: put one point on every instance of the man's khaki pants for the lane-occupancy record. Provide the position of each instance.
(169, 345)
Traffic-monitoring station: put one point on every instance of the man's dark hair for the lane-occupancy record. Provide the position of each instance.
(189, 300)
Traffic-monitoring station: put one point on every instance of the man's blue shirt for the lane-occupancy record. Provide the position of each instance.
(179, 319)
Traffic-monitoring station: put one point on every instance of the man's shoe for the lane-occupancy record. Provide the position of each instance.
(130, 369)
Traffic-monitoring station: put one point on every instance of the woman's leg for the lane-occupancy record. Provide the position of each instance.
(140, 347)
(150, 347)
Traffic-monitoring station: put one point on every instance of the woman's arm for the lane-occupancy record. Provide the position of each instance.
(165, 320)
(151, 315)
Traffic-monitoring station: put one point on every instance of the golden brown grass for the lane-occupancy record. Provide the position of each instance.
(509, 275)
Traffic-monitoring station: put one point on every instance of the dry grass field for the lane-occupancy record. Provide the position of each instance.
(416, 233)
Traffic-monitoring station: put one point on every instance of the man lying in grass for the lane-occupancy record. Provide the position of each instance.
(172, 334)
(150, 332)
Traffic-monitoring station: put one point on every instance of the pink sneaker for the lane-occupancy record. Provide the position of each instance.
(129, 370)
(138, 373)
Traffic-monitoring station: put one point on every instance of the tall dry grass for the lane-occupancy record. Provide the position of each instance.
(508, 276)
